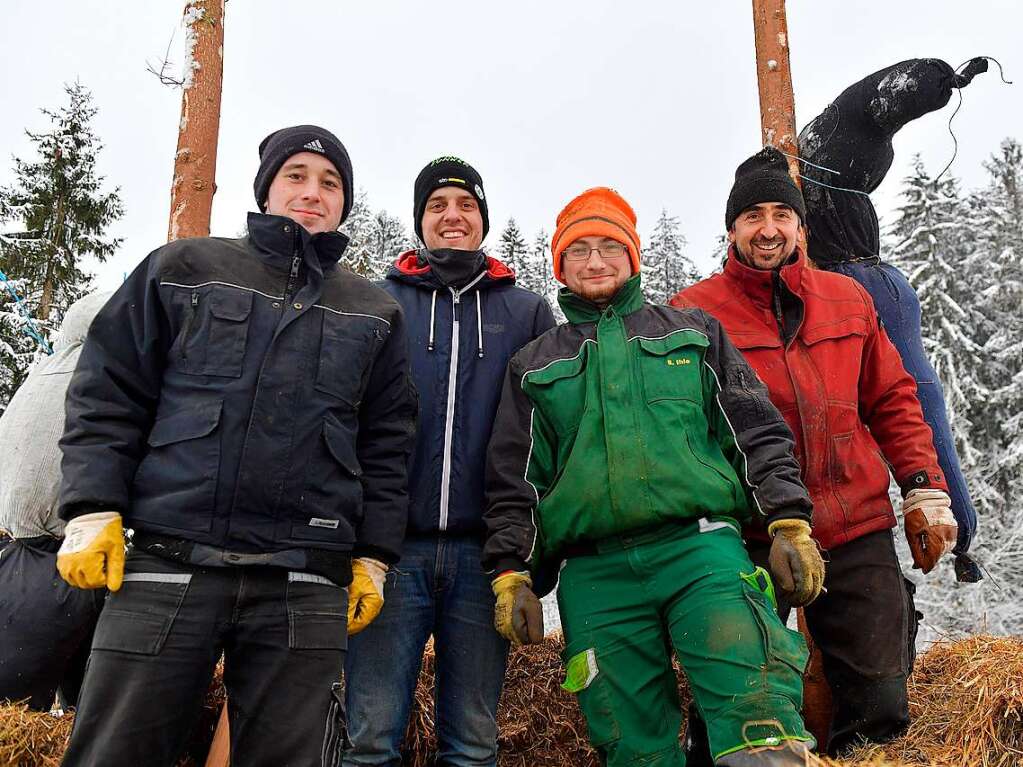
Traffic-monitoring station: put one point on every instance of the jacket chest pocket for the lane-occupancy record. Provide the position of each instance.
(559, 390)
(836, 350)
(672, 367)
(348, 346)
(180, 469)
(215, 329)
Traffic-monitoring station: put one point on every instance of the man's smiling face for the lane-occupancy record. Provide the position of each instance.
(766, 235)
(308, 190)
(452, 219)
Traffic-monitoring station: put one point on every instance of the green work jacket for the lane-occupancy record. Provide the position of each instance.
(626, 418)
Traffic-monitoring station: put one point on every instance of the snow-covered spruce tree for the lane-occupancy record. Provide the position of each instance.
(512, 248)
(358, 256)
(962, 256)
(539, 272)
(55, 215)
(666, 267)
(933, 241)
(375, 239)
(998, 421)
(388, 239)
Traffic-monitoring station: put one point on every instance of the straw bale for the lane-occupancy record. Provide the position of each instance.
(966, 700)
(966, 703)
(32, 738)
(39, 739)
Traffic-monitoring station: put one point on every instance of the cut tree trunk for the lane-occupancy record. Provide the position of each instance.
(195, 161)
(774, 78)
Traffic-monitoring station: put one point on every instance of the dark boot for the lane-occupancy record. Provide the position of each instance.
(697, 746)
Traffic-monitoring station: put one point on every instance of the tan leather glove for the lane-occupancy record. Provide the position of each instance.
(930, 527)
(92, 554)
(795, 562)
(366, 593)
(518, 615)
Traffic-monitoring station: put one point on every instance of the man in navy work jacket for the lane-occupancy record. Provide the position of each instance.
(466, 319)
(245, 406)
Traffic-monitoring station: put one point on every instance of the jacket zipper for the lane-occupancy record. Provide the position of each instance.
(776, 302)
(188, 325)
(449, 419)
(296, 262)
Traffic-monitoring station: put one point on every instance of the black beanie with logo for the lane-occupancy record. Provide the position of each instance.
(447, 171)
(764, 177)
(276, 148)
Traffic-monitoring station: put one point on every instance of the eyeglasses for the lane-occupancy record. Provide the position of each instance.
(607, 250)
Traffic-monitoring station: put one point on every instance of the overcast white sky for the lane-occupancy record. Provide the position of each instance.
(657, 99)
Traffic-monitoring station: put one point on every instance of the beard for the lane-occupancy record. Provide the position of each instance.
(598, 294)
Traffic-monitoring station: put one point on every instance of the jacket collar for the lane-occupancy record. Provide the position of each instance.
(758, 284)
(628, 299)
(278, 237)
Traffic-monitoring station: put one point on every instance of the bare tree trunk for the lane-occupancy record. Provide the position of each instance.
(195, 162)
(777, 103)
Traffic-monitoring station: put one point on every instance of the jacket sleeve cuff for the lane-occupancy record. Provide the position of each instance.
(69, 512)
(386, 556)
(923, 478)
(505, 564)
(790, 512)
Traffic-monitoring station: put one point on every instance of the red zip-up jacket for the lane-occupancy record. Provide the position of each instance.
(814, 339)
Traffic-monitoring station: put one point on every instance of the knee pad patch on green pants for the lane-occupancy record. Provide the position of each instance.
(584, 678)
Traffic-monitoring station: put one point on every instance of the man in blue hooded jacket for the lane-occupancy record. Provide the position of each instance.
(466, 318)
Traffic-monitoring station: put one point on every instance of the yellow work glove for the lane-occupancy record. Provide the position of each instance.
(518, 615)
(795, 562)
(92, 554)
(366, 594)
(930, 527)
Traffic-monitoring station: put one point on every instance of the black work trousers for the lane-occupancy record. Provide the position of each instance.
(45, 625)
(283, 636)
(865, 627)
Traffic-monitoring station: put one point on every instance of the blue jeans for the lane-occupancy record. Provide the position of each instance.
(899, 309)
(437, 588)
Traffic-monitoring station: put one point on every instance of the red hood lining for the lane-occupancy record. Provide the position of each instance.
(408, 263)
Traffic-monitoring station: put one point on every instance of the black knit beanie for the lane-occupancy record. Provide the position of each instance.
(764, 177)
(447, 171)
(282, 144)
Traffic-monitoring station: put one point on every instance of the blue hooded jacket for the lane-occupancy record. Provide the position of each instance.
(460, 341)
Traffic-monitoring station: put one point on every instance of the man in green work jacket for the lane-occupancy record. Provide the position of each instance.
(629, 446)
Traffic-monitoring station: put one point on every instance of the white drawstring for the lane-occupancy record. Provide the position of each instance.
(433, 317)
(479, 324)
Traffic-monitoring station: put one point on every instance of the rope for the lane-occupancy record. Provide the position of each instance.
(959, 91)
(29, 328)
(821, 183)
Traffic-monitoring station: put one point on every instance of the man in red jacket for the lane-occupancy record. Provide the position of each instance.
(814, 339)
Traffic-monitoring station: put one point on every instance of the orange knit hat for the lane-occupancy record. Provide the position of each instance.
(597, 212)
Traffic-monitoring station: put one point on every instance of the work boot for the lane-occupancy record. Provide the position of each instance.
(791, 753)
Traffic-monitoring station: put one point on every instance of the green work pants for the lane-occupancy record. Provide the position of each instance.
(691, 587)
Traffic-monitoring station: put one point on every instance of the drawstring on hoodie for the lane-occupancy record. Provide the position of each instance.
(433, 318)
(479, 325)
